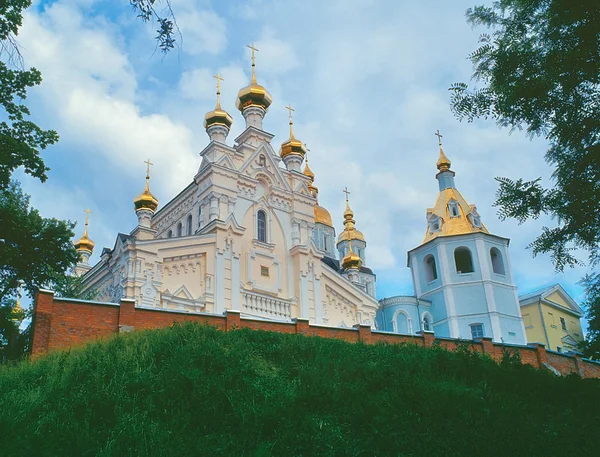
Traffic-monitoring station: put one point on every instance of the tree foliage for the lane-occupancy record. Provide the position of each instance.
(167, 25)
(539, 71)
(20, 139)
(34, 251)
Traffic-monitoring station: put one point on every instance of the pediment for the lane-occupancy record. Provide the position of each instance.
(183, 292)
(302, 189)
(559, 297)
(264, 162)
(226, 162)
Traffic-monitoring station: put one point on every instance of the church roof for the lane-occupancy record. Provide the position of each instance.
(453, 225)
(545, 294)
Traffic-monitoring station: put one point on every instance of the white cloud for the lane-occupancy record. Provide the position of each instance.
(202, 31)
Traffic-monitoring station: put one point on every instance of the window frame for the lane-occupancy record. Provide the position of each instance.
(497, 261)
(179, 229)
(189, 221)
(431, 273)
(261, 231)
(563, 323)
(475, 325)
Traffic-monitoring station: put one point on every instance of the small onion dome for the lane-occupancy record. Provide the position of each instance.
(314, 190)
(218, 116)
(146, 200)
(443, 163)
(292, 146)
(322, 216)
(253, 95)
(350, 232)
(84, 243)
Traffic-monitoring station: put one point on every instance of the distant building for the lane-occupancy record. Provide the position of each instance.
(553, 318)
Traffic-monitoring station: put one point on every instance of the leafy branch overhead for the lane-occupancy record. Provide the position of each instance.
(538, 69)
(166, 23)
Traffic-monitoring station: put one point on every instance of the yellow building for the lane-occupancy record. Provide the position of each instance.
(553, 318)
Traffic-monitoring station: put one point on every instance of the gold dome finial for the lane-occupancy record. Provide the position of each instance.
(84, 243)
(253, 95)
(443, 163)
(292, 145)
(146, 201)
(218, 116)
(350, 231)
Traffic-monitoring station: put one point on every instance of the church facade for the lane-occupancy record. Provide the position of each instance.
(246, 234)
(462, 277)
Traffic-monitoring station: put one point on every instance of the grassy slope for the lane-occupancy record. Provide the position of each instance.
(191, 390)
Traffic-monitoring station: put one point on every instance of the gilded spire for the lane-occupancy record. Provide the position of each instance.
(443, 163)
(218, 116)
(350, 231)
(291, 110)
(146, 201)
(253, 63)
(253, 95)
(84, 243)
(292, 145)
(219, 79)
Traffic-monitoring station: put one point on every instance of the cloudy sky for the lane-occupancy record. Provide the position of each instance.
(368, 80)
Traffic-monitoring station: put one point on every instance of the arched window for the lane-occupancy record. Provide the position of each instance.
(453, 208)
(401, 324)
(497, 263)
(261, 226)
(189, 225)
(430, 269)
(463, 260)
(179, 229)
(325, 244)
(170, 234)
(426, 323)
(200, 216)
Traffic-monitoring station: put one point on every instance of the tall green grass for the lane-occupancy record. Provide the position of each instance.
(193, 390)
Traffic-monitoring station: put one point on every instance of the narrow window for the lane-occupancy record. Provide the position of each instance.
(170, 234)
(430, 269)
(261, 160)
(189, 225)
(325, 241)
(179, 229)
(264, 271)
(200, 216)
(463, 260)
(476, 331)
(261, 226)
(453, 208)
(497, 264)
(563, 324)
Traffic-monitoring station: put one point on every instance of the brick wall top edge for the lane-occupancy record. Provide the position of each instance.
(85, 302)
(176, 311)
(510, 345)
(596, 362)
(406, 335)
(350, 329)
(267, 321)
(562, 354)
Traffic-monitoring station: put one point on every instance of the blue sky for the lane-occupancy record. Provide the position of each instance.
(368, 81)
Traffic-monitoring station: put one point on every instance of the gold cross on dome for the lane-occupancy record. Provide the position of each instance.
(253, 49)
(290, 109)
(219, 79)
(439, 135)
(148, 169)
(347, 192)
(87, 215)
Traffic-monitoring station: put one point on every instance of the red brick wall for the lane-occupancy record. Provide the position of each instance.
(60, 323)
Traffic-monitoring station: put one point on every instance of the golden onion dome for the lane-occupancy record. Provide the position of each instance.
(253, 95)
(146, 200)
(85, 243)
(322, 216)
(218, 116)
(308, 172)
